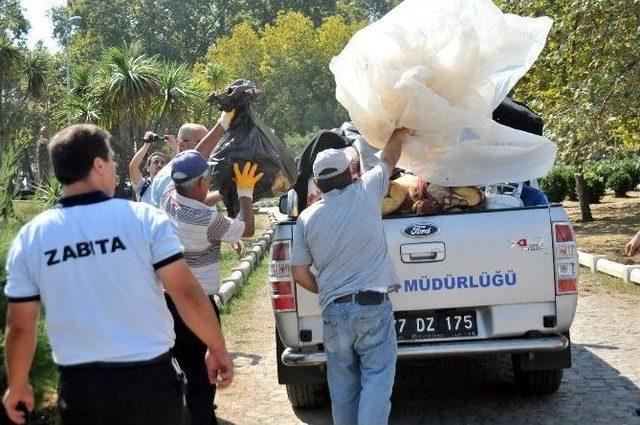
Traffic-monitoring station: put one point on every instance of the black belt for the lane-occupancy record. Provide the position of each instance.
(162, 358)
(363, 298)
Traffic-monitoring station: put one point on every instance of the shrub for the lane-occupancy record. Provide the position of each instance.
(631, 166)
(554, 185)
(568, 173)
(620, 182)
(594, 186)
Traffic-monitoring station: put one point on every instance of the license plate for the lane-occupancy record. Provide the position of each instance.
(412, 325)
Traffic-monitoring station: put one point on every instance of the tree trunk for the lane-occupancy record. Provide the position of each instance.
(585, 210)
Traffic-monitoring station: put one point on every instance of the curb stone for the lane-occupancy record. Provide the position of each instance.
(599, 263)
(240, 273)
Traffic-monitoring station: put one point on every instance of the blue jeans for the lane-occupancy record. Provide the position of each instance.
(360, 342)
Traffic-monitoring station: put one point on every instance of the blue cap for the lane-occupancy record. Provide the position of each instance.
(188, 165)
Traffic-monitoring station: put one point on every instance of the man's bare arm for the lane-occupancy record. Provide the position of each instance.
(393, 149)
(209, 142)
(303, 276)
(136, 161)
(246, 215)
(20, 345)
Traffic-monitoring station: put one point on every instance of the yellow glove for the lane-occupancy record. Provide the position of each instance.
(226, 118)
(246, 181)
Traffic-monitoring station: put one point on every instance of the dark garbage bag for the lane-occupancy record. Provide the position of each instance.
(516, 115)
(249, 139)
(325, 139)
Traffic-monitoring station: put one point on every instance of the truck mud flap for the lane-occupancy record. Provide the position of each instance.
(297, 375)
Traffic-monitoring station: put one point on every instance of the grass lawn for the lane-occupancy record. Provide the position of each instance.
(228, 257)
(616, 220)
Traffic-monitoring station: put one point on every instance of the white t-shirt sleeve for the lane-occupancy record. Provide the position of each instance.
(300, 253)
(225, 229)
(376, 180)
(21, 283)
(165, 245)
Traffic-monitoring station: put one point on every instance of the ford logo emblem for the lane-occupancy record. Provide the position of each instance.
(420, 230)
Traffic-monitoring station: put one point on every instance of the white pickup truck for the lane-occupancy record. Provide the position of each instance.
(472, 283)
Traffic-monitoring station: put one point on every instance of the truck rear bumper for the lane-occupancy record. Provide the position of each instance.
(291, 357)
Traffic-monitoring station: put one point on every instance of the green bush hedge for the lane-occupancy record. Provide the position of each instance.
(631, 167)
(620, 182)
(568, 172)
(594, 187)
(554, 185)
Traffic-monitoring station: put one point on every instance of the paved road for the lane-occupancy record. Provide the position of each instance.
(603, 387)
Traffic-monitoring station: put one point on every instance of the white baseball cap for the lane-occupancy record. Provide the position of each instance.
(330, 163)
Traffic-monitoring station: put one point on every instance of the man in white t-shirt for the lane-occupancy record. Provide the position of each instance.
(98, 265)
(201, 229)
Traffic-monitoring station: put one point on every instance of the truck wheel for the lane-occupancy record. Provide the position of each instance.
(537, 382)
(304, 396)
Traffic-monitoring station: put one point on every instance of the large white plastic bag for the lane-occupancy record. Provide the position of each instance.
(440, 68)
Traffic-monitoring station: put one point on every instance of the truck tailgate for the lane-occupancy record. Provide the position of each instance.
(467, 260)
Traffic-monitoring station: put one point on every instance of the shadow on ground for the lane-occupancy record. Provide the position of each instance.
(482, 390)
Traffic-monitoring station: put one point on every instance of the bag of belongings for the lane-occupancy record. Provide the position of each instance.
(249, 139)
(439, 69)
(407, 194)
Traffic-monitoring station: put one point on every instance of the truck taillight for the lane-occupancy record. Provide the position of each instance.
(280, 277)
(566, 258)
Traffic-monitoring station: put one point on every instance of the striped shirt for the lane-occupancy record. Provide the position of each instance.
(201, 229)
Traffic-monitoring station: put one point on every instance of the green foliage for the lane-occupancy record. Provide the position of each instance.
(10, 162)
(289, 60)
(297, 142)
(554, 185)
(48, 193)
(584, 81)
(568, 173)
(594, 187)
(11, 56)
(620, 182)
(36, 68)
(8, 229)
(14, 24)
(631, 166)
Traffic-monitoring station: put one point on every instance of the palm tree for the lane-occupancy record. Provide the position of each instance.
(128, 81)
(81, 80)
(11, 58)
(36, 68)
(179, 94)
(217, 76)
(80, 109)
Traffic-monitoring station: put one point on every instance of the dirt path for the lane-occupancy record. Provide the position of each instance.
(256, 397)
(602, 387)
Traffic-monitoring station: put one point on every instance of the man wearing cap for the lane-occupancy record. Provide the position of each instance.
(342, 236)
(96, 264)
(201, 229)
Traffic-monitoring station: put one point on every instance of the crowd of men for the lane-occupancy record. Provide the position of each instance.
(129, 287)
